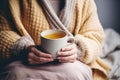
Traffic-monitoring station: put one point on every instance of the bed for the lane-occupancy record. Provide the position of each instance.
(108, 12)
(111, 53)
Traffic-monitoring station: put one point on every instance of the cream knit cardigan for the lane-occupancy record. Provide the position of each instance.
(29, 19)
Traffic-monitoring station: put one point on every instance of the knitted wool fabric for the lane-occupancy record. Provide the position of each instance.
(24, 42)
(6, 39)
(63, 20)
(29, 19)
(21, 44)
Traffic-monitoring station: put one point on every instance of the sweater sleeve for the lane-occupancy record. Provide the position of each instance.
(90, 34)
(7, 37)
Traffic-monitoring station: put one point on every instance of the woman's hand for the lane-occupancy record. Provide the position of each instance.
(35, 56)
(68, 53)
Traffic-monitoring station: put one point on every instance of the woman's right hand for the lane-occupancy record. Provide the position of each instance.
(35, 56)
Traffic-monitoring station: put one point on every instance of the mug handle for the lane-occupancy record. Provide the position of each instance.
(70, 39)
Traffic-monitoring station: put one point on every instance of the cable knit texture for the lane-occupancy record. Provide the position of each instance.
(30, 20)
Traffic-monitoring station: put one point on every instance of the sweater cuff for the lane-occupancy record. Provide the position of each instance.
(21, 44)
(81, 48)
(85, 49)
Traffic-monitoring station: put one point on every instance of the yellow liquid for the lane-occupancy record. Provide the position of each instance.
(54, 36)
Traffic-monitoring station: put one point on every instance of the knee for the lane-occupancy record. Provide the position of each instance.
(78, 71)
(15, 72)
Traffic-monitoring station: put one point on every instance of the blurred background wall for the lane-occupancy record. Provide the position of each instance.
(109, 13)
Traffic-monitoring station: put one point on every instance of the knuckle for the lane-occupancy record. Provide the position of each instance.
(30, 54)
(42, 59)
(32, 48)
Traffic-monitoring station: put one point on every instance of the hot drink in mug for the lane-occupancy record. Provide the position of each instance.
(53, 40)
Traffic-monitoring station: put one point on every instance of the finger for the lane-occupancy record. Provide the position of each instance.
(45, 55)
(31, 61)
(31, 55)
(66, 61)
(39, 53)
(68, 47)
(41, 61)
(66, 53)
(45, 60)
(68, 58)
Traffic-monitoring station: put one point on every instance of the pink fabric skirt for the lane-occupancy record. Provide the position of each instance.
(51, 71)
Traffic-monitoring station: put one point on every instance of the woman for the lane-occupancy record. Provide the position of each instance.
(20, 40)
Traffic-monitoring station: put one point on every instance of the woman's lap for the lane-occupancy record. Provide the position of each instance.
(61, 71)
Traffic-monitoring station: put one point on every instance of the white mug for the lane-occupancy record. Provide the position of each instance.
(53, 40)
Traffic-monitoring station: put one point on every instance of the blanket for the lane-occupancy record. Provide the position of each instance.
(111, 53)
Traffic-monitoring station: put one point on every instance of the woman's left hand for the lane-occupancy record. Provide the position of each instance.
(68, 53)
